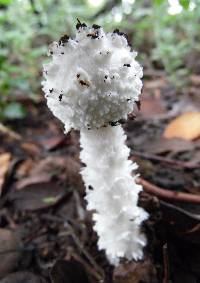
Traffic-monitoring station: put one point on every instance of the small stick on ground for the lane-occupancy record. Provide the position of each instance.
(166, 160)
(167, 194)
(10, 133)
(165, 264)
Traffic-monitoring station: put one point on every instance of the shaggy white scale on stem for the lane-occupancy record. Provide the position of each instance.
(112, 193)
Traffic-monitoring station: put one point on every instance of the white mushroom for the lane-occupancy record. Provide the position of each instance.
(91, 83)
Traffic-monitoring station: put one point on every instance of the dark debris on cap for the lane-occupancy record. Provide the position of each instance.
(94, 26)
(64, 39)
(121, 33)
(80, 25)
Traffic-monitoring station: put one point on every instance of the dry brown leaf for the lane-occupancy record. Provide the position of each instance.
(186, 126)
(44, 170)
(24, 168)
(195, 80)
(9, 133)
(38, 196)
(31, 148)
(4, 166)
(151, 106)
(53, 142)
(161, 145)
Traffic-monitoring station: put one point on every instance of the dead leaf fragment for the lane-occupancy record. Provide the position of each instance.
(31, 148)
(37, 196)
(4, 166)
(174, 145)
(151, 106)
(186, 126)
(24, 168)
(44, 170)
(53, 142)
(8, 260)
(10, 133)
(195, 80)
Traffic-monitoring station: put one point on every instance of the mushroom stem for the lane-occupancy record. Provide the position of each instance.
(112, 192)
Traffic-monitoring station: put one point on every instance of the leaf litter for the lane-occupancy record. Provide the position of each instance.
(44, 204)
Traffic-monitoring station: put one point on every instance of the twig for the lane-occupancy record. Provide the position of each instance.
(165, 264)
(167, 194)
(10, 133)
(169, 161)
(180, 210)
(88, 267)
(154, 73)
(29, 248)
(84, 251)
(9, 177)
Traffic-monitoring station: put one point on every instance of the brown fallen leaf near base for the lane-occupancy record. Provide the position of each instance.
(5, 159)
(186, 126)
(38, 196)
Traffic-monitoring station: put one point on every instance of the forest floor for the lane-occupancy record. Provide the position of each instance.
(46, 233)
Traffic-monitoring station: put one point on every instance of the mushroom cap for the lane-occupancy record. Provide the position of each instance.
(92, 80)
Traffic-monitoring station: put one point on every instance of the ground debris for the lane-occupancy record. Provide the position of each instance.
(9, 251)
(135, 272)
(69, 271)
(23, 277)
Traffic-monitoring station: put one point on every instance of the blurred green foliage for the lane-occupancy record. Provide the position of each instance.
(166, 40)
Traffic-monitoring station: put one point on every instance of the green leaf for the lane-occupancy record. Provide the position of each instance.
(50, 200)
(185, 4)
(5, 2)
(159, 2)
(14, 110)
